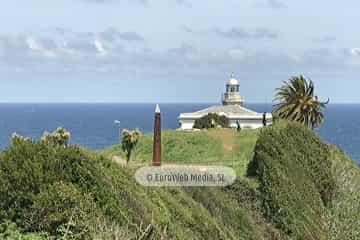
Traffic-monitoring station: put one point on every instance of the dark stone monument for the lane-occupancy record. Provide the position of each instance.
(157, 138)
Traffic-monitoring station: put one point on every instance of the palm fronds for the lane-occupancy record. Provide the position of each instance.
(296, 101)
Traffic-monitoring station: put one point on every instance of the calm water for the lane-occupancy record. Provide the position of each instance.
(93, 125)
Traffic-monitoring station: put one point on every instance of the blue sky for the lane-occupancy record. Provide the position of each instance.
(175, 50)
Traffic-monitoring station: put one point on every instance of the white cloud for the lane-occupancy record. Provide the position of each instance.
(81, 51)
(112, 34)
(355, 52)
(184, 3)
(273, 4)
(276, 4)
(355, 56)
(100, 47)
(65, 45)
(325, 39)
(39, 47)
(241, 33)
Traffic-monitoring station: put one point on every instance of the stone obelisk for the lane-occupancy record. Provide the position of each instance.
(157, 138)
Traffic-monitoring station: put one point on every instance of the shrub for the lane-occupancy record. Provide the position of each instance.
(61, 207)
(9, 231)
(129, 141)
(33, 175)
(24, 169)
(211, 120)
(60, 137)
(294, 170)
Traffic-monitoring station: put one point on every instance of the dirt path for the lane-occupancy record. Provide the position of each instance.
(119, 160)
(226, 135)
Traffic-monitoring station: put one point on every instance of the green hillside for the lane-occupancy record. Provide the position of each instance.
(290, 185)
(212, 147)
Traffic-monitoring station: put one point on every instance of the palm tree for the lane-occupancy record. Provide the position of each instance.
(296, 102)
(129, 141)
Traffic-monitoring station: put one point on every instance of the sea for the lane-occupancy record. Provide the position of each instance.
(97, 125)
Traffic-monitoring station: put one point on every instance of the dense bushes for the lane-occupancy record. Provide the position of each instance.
(9, 231)
(344, 218)
(61, 204)
(211, 120)
(46, 188)
(295, 173)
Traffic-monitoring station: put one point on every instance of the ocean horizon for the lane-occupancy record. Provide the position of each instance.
(93, 124)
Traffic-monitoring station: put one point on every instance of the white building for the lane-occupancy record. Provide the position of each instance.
(232, 108)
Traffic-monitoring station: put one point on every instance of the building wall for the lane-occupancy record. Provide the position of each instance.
(187, 124)
(255, 123)
(244, 123)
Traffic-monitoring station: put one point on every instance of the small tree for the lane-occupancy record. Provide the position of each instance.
(296, 101)
(211, 120)
(129, 141)
(60, 137)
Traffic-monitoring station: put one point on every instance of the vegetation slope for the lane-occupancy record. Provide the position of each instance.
(290, 185)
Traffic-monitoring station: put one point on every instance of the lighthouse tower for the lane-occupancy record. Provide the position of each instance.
(232, 95)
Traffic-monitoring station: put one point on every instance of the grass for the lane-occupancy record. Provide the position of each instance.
(211, 147)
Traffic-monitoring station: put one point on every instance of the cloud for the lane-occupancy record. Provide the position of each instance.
(265, 33)
(185, 51)
(144, 2)
(275, 4)
(131, 36)
(241, 33)
(272, 4)
(236, 32)
(41, 46)
(64, 45)
(325, 39)
(355, 52)
(72, 52)
(184, 3)
(100, 47)
(187, 29)
(112, 34)
(12, 46)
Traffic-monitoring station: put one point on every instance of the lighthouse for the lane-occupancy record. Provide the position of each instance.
(232, 95)
(232, 107)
